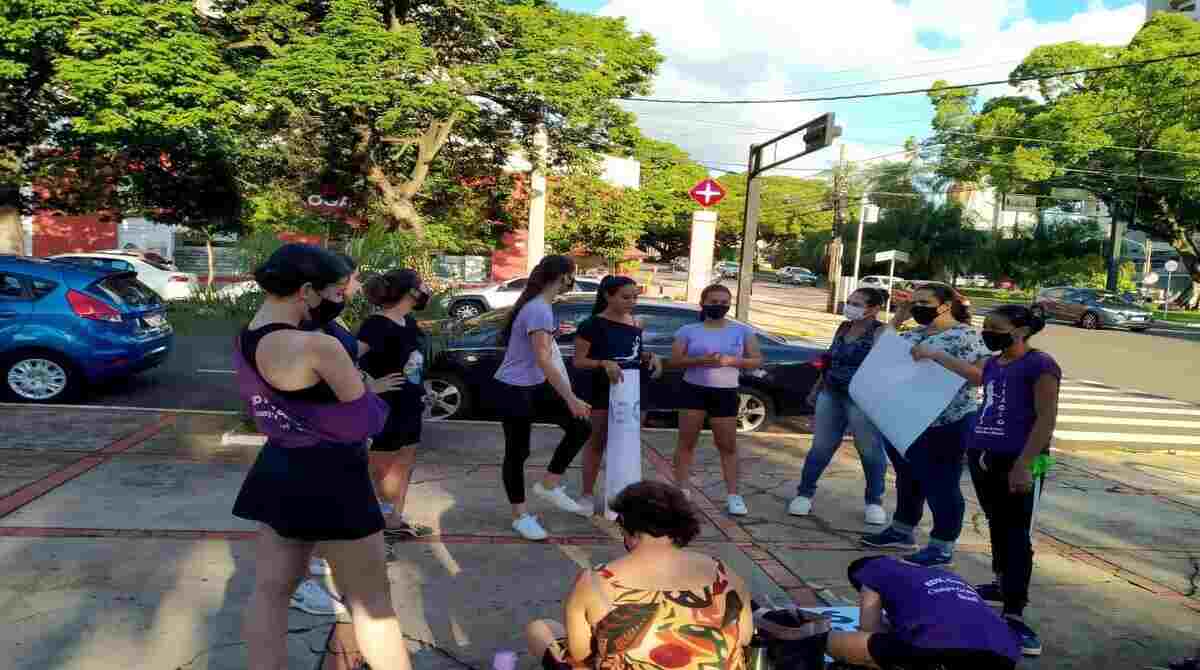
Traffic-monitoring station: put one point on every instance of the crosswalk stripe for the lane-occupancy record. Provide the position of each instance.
(1130, 409)
(1123, 398)
(1132, 438)
(1128, 421)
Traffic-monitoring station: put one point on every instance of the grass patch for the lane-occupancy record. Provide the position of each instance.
(1177, 316)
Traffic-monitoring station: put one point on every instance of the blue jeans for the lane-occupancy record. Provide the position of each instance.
(836, 411)
(931, 471)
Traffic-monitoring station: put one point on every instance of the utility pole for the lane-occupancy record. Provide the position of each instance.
(535, 243)
(1147, 267)
(839, 225)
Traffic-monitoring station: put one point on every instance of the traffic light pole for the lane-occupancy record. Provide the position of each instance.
(818, 134)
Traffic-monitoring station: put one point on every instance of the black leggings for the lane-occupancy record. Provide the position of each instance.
(1010, 519)
(522, 406)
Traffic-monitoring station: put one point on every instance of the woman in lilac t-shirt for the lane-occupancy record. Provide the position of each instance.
(713, 353)
(1012, 430)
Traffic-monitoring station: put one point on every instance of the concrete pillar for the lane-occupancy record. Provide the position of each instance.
(700, 259)
(535, 245)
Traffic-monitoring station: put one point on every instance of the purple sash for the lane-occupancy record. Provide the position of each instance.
(296, 423)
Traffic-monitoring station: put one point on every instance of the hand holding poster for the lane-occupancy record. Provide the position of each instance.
(901, 396)
(623, 453)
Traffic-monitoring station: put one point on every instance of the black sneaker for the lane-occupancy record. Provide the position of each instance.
(1031, 644)
(990, 592)
(889, 538)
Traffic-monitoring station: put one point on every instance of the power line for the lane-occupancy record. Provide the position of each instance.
(1098, 146)
(885, 94)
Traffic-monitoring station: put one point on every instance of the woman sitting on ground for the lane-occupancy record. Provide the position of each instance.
(646, 609)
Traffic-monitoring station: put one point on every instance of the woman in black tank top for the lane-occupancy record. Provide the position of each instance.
(311, 484)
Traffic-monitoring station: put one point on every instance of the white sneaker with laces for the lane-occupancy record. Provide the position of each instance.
(800, 506)
(312, 598)
(736, 505)
(559, 498)
(875, 515)
(319, 567)
(529, 528)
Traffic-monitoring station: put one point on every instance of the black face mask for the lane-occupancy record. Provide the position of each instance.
(997, 341)
(924, 314)
(325, 313)
(714, 312)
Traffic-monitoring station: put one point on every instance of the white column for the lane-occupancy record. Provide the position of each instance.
(700, 259)
(535, 245)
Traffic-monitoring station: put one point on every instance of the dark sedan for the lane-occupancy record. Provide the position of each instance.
(462, 365)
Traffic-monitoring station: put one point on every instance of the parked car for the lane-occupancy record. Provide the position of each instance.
(883, 282)
(726, 270)
(473, 302)
(149, 256)
(972, 281)
(64, 326)
(797, 275)
(461, 372)
(1092, 309)
(168, 282)
(902, 290)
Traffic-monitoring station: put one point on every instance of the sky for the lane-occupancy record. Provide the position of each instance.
(722, 49)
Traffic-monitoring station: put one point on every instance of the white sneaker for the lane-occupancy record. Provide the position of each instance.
(529, 528)
(800, 506)
(559, 498)
(587, 506)
(875, 515)
(310, 597)
(736, 505)
(318, 567)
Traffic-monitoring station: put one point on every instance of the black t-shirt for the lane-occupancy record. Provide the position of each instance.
(392, 346)
(612, 341)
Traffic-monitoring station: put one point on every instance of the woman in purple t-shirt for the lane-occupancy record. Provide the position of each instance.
(1012, 430)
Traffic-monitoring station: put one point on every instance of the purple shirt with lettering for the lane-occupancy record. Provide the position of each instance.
(1008, 412)
(936, 609)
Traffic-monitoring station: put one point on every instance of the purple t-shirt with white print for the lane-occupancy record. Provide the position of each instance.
(935, 609)
(1007, 414)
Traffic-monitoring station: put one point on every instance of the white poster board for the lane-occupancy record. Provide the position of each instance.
(623, 452)
(901, 396)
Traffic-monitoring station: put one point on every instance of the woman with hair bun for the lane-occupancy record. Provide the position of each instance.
(310, 485)
(396, 345)
(1012, 433)
(659, 607)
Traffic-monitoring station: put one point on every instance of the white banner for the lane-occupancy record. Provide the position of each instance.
(901, 396)
(623, 453)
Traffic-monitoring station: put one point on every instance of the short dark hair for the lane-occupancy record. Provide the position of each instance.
(874, 296)
(658, 510)
(853, 568)
(713, 288)
(1020, 316)
(390, 287)
(294, 265)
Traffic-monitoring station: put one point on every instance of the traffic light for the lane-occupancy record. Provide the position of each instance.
(820, 133)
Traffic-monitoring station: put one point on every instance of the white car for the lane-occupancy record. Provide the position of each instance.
(167, 282)
(878, 281)
(473, 302)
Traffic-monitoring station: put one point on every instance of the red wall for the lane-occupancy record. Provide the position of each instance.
(65, 234)
(509, 260)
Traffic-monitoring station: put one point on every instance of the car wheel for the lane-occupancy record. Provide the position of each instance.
(40, 377)
(755, 410)
(446, 397)
(466, 309)
(1090, 321)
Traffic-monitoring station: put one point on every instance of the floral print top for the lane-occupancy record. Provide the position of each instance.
(964, 343)
(668, 630)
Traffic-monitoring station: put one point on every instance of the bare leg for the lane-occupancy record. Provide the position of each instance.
(725, 436)
(395, 476)
(690, 423)
(851, 648)
(593, 453)
(362, 576)
(540, 635)
(279, 565)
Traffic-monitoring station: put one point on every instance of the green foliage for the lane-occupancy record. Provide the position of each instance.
(939, 240)
(668, 173)
(588, 214)
(790, 207)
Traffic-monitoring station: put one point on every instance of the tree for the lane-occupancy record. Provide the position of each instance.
(393, 85)
(587, 214)
(1130, 136)
(790, 207)
(939, 240)
(668, 173)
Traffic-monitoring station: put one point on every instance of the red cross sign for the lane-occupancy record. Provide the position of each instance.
(707, 193)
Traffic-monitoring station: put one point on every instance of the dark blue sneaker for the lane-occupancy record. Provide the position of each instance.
(930, 557)
(990, 592)
(1031, 644)
(889, 538)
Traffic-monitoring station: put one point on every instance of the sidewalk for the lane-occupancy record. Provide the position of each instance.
(117, 548)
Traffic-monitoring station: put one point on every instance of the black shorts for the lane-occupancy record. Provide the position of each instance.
(398, 434)
(311, 494)
(890, 652)
(719, 403)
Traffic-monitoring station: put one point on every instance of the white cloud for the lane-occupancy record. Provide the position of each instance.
(717, 49)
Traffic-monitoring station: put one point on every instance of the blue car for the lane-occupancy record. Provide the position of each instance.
(65, 326)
